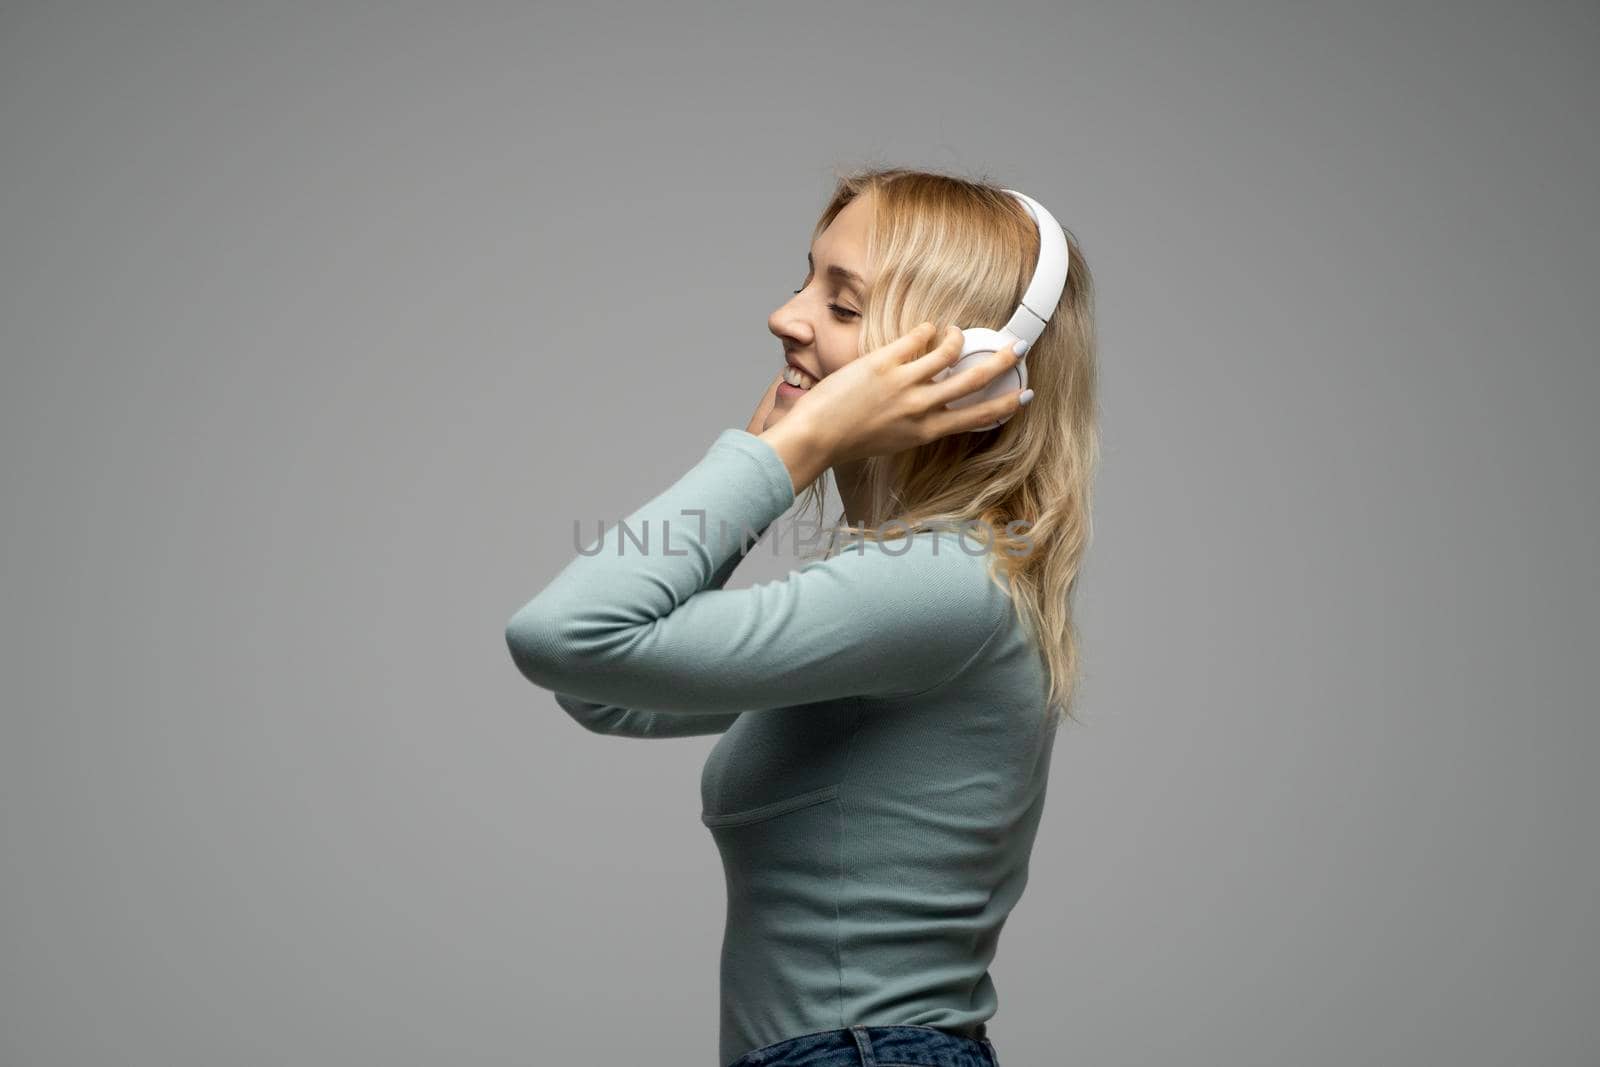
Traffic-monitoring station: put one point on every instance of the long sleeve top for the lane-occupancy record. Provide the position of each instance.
(880, 773)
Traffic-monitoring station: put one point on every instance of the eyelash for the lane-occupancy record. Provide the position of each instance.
(842, 312)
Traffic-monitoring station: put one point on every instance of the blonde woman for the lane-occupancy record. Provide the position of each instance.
(887, 710)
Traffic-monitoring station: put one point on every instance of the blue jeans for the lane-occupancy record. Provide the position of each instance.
(876, 1046)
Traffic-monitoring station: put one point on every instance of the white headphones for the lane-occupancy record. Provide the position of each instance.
(1039, 302)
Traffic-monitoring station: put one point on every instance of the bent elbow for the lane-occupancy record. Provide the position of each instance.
(558, 643)
(534, 640)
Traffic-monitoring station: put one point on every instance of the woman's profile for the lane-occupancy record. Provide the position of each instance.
(886, 711)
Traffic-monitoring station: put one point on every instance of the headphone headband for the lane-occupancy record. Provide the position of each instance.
(1049, 281)
(1039, 302)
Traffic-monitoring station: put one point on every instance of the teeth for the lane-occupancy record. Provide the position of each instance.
(796, 377)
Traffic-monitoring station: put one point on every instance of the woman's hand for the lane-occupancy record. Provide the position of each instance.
(758, 421)
(884, 402)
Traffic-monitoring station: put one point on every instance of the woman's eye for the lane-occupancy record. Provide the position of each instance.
(842, 312)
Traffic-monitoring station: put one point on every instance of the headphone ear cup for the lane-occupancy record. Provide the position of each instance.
(976, 346)
(1013, 380)
(959, 366)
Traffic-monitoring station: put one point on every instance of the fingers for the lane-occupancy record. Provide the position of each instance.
(912, 344)
(971, 378)
(941, 356)
(975, 416)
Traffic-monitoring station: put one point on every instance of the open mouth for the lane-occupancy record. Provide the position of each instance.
(797, 377)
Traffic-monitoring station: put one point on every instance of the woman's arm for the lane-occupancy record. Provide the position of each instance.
(614, 721)
(612, 634)
(639, 625)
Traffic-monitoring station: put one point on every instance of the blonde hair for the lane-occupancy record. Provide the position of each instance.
(949, 250)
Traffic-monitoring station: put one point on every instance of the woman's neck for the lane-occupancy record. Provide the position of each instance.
(851, 481)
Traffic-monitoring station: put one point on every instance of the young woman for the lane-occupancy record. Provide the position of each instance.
(887, 711)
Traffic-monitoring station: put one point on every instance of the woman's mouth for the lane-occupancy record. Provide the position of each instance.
(797, 378)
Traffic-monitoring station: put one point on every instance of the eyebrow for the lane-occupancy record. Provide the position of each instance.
(850, 277)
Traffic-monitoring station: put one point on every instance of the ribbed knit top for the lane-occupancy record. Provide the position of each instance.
(877, 784)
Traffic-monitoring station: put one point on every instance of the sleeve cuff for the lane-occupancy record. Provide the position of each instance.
(776, 478)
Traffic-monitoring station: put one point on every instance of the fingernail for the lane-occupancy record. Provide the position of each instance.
(1027, 395)
(1020, 348)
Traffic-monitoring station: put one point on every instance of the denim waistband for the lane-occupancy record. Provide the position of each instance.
(876, 1046)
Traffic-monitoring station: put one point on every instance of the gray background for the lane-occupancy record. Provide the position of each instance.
(322, 322)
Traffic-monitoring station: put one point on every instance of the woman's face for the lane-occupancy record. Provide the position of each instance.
(821, 327)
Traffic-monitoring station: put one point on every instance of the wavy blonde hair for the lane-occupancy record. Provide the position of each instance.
(950, 250)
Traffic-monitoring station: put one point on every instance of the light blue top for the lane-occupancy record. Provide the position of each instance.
(885, 748)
